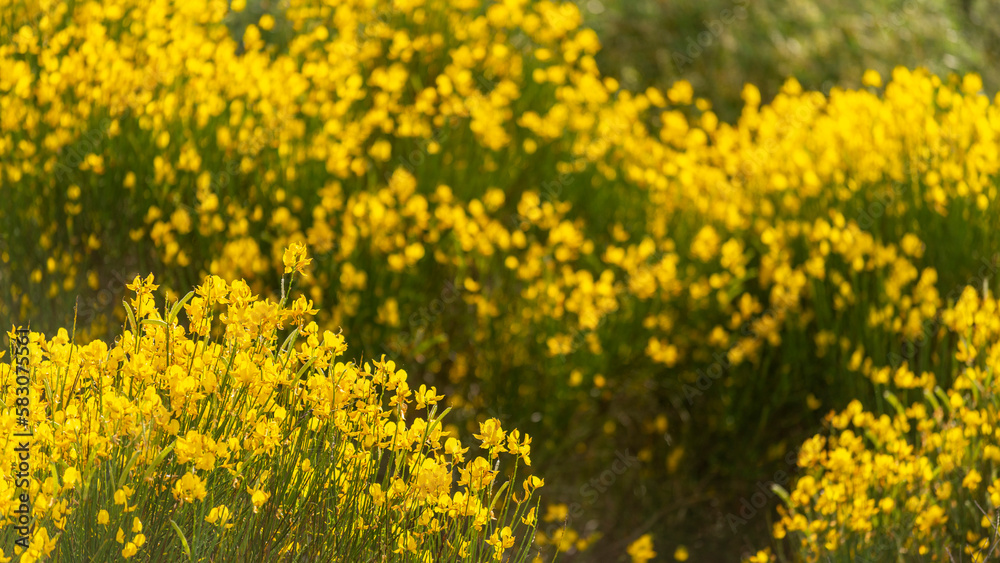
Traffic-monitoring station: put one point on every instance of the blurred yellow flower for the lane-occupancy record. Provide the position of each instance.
(641, 550)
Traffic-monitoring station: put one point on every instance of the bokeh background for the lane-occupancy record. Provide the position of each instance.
(592, 393)
(719, 46)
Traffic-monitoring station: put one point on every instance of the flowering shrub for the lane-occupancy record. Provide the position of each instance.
(217, 440)
(614, 271)
(919, 480)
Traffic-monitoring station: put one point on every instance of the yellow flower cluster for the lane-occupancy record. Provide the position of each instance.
(481, 201)
(922, 479)
(278, 445)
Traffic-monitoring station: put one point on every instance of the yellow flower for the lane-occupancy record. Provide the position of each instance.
(681, 92)
(103, 518)
(375, 490)
(142, 286)
(529, 519)
(556, 513)
(220, 514)
(532, 483)
(295, 259)
(972, 480)
(641, 550)
(189, 488)
(871, 78)
(477, 474)
(122, 495)
(181, 220)
(71, 477)
(492, 436)
(500, 542)
(258, 498)
(972, 83)
(130, 550)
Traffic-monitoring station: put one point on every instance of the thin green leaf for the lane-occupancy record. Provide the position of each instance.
(177, 307)
(180, 534)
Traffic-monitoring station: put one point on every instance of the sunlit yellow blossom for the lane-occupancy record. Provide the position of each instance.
(295, 259)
